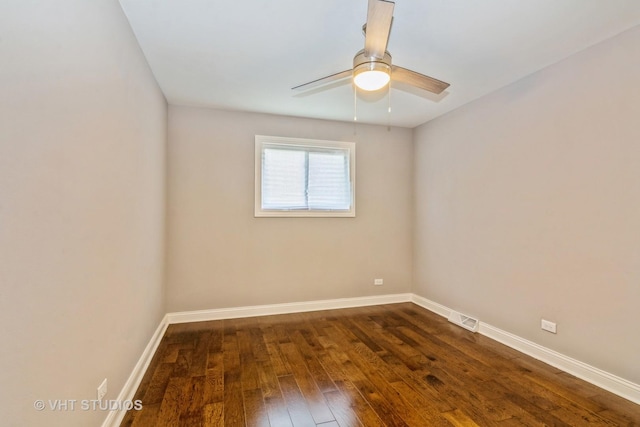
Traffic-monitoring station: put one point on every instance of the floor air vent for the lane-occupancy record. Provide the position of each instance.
(465, 321)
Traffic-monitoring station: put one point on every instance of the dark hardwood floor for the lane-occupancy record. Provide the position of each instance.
(391, 365)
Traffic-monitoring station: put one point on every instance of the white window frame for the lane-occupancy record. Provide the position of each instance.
(262, 140)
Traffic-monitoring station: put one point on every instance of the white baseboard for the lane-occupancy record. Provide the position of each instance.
(591, 374)
(431, 306)
(598, 377)
(295, 307)
(131, 385)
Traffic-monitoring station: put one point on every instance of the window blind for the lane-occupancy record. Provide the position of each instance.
(305, 178)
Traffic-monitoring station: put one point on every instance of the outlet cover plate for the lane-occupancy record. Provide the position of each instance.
(548, 326)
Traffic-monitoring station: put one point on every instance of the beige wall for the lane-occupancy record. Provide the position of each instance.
(219, 255)
(528, 207)
(82, 134)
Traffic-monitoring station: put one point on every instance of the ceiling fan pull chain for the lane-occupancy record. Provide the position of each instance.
(389, 109)
(355, 103)
(355, 109)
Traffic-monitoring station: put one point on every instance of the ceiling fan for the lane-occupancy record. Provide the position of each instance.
(372, 69)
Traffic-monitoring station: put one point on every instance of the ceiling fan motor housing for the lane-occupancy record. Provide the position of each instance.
(371, 61)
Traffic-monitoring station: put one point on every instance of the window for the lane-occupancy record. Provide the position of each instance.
(304, 177)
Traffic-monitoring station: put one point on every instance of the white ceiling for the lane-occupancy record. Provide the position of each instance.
(247, 55)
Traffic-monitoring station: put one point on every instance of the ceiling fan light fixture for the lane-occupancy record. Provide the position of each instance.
(372, 65)
(372, 76)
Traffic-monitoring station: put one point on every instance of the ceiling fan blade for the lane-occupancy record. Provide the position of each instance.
(421, 81)
(378, 26)
(324, 80)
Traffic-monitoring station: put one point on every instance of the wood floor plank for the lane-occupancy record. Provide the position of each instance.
(272, 395)
(459, 419)
(198, 365)
(366, 414)
(579, 416)
(174, 400)
(280, 365)
(213, 415)
(249, 370)
(377, 366)
(418, 404)
(258, 344)
(214, 380)
(296, 404)
(430, 392)
(216, 339)
(147, 416)
(255, 411)
(310, 353)
(341, 409)
(531, 411)
(617, 410)
(347, 391)
(195, 389)
(382, 407)
(551, 383)
(154, 393)
(182, 365)
(233, 400)
(312, 394)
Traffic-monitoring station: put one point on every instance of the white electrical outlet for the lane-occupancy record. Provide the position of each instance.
(102, 389)
(548, 326)
(378, 282)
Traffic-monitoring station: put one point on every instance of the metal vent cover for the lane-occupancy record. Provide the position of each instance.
(463, 320)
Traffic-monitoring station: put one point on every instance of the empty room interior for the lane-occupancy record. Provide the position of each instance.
(462, 248)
